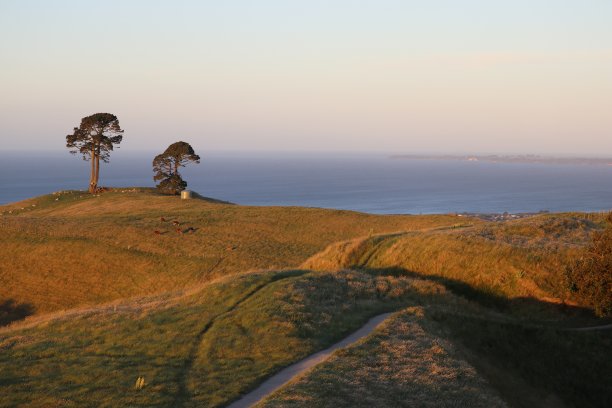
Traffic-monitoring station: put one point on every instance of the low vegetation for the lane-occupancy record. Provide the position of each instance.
(590, 276)
(518, 263)
(187, 303)
(400, 365)
(194, 349)
(550, 366)
(448, 356)
(72, 249)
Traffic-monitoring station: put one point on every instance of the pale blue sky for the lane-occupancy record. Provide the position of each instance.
(381, 75)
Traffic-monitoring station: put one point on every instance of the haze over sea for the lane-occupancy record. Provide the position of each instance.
(372, 183)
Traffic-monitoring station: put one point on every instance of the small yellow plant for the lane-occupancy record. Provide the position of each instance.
(140, 383)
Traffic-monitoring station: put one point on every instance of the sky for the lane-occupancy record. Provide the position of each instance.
(399, 76)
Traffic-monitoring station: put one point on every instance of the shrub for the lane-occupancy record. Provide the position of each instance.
(590, 276)
(172, 185)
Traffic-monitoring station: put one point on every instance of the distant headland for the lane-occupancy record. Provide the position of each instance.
(600, 161)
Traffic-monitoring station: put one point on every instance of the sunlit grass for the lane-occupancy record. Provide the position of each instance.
(186, 326)
(494, 262)
(85, 249)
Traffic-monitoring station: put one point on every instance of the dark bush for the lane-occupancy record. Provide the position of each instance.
(172, 185)
(590, 276)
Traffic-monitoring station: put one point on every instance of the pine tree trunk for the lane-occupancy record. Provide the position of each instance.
(97, 169)
(176, 173)
(92, 183)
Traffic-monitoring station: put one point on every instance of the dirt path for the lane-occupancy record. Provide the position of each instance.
(289, 373)
(591, 328)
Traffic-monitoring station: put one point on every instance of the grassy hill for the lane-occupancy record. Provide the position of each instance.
(517, 265)
(444, 355)
(205, 316)
(72, 249)
(198, 348)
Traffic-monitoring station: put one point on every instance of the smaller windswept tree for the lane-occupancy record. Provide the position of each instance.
(167, 164)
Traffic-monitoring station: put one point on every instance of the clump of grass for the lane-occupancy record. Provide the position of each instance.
(140, 383)
(547, 231)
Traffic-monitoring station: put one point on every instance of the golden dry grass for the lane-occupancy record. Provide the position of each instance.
(84, 249)
(186, 318)
(519, 259)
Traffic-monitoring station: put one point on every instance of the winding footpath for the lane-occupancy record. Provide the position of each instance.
(289, 373)
(591, 328)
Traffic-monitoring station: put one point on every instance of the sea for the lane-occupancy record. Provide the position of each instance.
(372, 183)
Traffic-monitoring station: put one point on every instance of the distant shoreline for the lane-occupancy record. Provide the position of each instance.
(524, 159)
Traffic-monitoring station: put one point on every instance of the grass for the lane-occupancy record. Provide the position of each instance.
(95, 358)
(444, 356)
(84, 249)
(289, 320)
(173, 319)
(519, 263)
(563, 365)
(195, 349)
(400, 365)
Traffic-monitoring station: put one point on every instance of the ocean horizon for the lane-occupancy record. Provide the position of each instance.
(372, 183)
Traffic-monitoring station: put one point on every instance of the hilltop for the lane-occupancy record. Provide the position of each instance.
(482, 316)
(522, 158)
(71, 248)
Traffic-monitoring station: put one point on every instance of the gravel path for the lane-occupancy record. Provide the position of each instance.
(289, 373)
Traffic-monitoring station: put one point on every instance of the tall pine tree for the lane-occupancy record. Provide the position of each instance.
(94, 139)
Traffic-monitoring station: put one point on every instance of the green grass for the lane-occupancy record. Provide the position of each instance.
(94, 358)
(200, 349)
(289, 320)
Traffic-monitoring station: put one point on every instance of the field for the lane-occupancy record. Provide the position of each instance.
(84, 249)
(97, 299)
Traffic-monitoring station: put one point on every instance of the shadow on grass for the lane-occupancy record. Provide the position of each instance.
(564, 368)
(561, 365)
(521, 306)
(194, 196)
(11, 311)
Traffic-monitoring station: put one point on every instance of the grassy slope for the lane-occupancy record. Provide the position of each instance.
(519, 263)
(561, 367)
(70, 249)
(198, 349)
(205, 345)
(426, 356)
(515, 267)
(401, 365)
